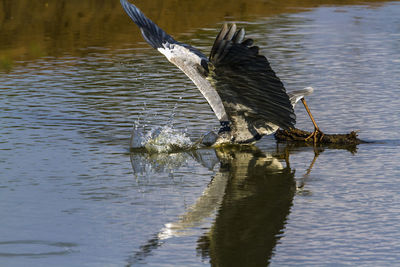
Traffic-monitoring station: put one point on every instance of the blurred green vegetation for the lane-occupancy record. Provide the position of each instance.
(32, 29)
(5, 63)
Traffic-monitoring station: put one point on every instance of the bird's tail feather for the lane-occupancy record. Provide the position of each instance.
(295, 96)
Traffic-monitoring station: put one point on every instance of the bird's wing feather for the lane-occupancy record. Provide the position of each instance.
(191, 61)
(250, 90)
(153, 34)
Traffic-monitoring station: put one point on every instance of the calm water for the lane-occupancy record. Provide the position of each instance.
(71, 193)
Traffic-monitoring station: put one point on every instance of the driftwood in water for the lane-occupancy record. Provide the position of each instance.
(297, 135)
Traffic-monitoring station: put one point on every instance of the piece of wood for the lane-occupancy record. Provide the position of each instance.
(297, 135)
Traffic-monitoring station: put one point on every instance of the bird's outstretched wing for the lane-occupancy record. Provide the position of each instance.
(191, 61)
(237, 82)
(253, 96)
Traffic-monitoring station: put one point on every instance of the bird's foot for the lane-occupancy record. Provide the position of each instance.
(317, 135)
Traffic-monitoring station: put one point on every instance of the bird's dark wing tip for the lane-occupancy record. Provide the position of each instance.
(153, 34)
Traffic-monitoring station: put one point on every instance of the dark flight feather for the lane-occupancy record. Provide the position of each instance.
(246, 83)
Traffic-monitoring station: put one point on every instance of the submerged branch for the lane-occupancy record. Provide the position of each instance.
(297, 135)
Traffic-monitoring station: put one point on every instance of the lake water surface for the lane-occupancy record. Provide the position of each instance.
(72, 193)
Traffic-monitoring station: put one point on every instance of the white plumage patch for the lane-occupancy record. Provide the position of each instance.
(179, 55)
(188, 62)
(295, 96)
(167, 52)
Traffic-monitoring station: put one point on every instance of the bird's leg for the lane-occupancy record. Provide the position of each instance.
(316, 129)
(307, 174)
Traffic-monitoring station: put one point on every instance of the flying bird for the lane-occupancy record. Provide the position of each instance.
(238, 83)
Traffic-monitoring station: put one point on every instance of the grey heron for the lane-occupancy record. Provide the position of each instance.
(238, 83)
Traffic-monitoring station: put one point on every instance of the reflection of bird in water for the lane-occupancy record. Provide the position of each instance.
(251, 193)
(253, 212)
(241, 88)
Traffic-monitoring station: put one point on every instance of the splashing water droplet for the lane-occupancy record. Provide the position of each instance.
(163, 139)
(159, 139)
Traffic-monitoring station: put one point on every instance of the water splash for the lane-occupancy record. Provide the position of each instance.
(162, 139)
(159, 139)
